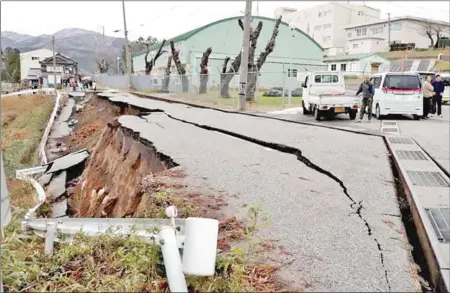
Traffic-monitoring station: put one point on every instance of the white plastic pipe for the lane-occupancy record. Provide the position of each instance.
(172, 260)
(200, 246)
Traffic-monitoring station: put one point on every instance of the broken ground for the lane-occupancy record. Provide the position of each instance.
(103, 264)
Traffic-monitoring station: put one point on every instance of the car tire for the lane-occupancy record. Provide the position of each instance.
(316, 114)
(416, 117)
(353, 114)
(378, 112)
(305, 111)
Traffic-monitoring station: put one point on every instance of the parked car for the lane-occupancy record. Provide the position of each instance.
(298, 92)
(446, 94)
(274, 92)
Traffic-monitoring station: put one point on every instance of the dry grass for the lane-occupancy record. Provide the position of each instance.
(433, 54)
(23, 121)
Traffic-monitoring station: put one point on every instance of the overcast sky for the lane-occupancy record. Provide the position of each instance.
(167, 19)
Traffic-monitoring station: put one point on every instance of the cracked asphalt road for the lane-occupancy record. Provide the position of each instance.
(311, 215)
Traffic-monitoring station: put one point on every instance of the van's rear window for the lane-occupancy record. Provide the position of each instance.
(402, 82)
(326, 78)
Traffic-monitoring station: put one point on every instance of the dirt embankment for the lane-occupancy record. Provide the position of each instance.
(125, 175)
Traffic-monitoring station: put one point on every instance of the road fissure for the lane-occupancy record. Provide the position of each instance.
(357, 207)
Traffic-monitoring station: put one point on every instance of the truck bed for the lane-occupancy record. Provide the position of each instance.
(335, 100)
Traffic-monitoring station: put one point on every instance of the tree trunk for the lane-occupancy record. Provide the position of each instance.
(166, 79)
(180, 68)
(252, 79)
(438, 38)
(204, 71)
(149, 64)
(227, 76)
(430, 36)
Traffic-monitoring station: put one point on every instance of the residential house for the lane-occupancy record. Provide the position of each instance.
(408, 30)
(325, 23)
(30, 60)
(357, 64)
(65, 68)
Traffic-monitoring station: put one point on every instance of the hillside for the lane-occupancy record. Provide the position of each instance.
(81, 45)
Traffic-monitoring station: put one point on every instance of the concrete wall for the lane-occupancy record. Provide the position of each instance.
(140, 82)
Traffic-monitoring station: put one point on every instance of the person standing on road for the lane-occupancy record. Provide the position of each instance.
(428, 93)
(366, 88)
(438, 86)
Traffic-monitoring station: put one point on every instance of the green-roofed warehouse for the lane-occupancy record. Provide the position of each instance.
(294, 51)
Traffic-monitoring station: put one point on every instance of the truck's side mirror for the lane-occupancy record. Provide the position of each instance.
(304, 85)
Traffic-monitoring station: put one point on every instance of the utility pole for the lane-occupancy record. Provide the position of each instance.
(244, 55)
(127, 46)
(389, 31)
(54, 63)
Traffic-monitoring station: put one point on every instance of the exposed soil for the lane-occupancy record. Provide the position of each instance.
(126, 176)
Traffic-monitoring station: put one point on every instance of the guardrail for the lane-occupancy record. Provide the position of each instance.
(44, 91)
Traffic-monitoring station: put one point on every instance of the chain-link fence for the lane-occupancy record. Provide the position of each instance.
(264, 89)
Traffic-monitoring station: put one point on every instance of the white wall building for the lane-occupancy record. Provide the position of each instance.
(31, 59)
(374, 36)
(357, 64)
(326, 23)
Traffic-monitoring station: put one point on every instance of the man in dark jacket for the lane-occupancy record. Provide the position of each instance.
(366, 88)
(439, 87)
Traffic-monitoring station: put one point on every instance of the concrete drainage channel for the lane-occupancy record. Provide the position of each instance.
(425, 187)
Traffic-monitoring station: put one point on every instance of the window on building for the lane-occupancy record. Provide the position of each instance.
(377, 30)
(289, 72)
(34, 58)
(360, 13)
(320, 14)
(294, 72)
(361, 31)
(396, 26)
(317, 28)
(328, 12)
(328, 25)
(355, 46)
(343, 67)
(349, 35)
(333, 67)
(326, 38)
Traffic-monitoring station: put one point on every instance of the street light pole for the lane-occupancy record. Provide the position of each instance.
(127, 46)
(244, 55)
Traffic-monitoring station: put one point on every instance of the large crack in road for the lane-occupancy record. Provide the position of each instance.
(357, 207)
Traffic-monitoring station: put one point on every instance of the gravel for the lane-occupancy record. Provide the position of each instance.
(311, 215)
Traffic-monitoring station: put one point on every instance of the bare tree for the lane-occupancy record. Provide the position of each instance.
(438, 30)
(149, 64)
(103, 65)
(227, 75)
(429, 30)
(166, 79)
(251, 81)
(204, 71)
(180, 67)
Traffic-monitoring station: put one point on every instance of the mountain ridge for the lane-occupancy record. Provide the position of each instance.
(81, 45)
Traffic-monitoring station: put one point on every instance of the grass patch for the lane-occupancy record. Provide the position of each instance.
(110, 263)
(23, 121)
(212, 98)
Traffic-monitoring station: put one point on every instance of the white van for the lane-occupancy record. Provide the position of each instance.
(397, 93)
(446, 94)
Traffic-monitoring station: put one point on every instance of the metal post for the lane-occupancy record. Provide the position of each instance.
(244, 55)
(291, 73)
(389, 31)
(172, 260)
(127, 45)
(54, 63)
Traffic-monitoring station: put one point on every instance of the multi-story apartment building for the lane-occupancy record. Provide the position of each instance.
(325, 23)
(374, 36)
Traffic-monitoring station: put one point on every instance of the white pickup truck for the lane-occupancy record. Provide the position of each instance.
(324, 96)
